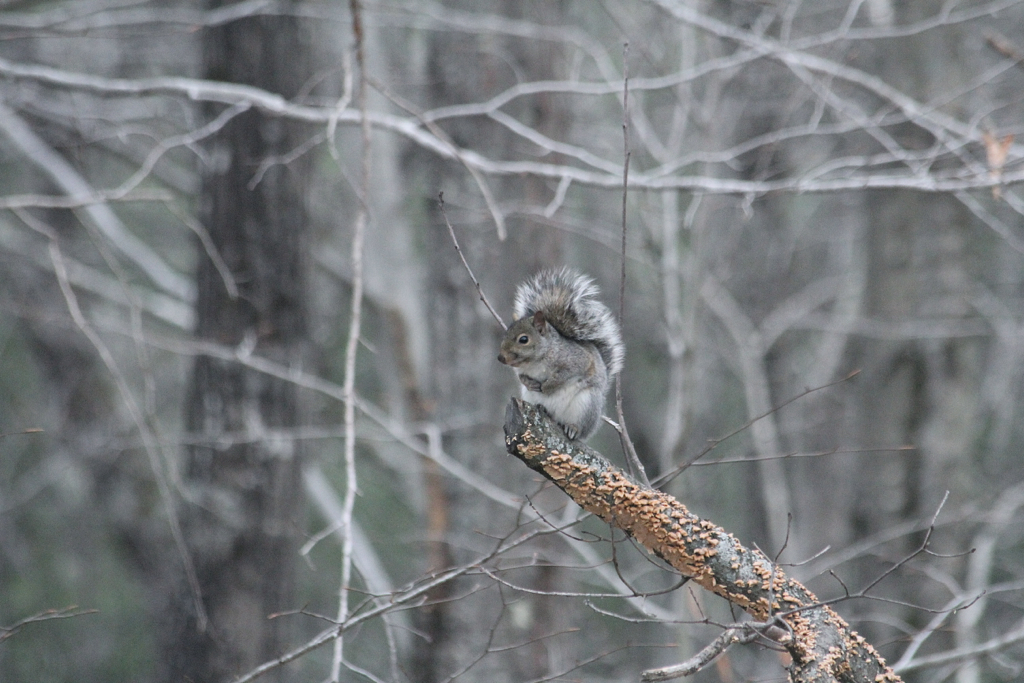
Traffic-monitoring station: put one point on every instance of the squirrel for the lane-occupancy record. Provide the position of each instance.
(565, 346)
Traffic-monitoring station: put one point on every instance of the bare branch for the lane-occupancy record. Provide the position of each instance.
(744, 635)
(352, 345)
(46, 615)
(1012, 637)
(397, 600)
(632, 459)
(65, 176)
(149, 440)
(412, 128)
(455, 241)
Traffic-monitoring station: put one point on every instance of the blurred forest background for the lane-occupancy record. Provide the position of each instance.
(266, 383)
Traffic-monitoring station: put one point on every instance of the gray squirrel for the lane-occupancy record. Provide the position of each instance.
(565, 346)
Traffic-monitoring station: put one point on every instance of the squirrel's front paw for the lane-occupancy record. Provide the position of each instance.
(530, 383)
(571, 430)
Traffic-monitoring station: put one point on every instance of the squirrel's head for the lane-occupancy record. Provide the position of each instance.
(522, 338)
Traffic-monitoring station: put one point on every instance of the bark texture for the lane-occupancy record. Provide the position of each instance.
(243, 515)
(823, 647)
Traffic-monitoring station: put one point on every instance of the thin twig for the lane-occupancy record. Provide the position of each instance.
(961, 654)
(78, 189)
(797, 455)
(351, 347)
(713, 443)
(193, 224)
(32, 430)
(922, 548)
(46, 615)
(398, 600)
(455, 241)
(632, 459)
(625, 174)
(864, 592)
(456, 151)
(739, 634)
(149, 440)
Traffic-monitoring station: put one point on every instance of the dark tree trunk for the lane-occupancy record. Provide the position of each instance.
(243, 515)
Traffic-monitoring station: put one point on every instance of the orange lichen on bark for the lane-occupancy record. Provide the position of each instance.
(696, 547)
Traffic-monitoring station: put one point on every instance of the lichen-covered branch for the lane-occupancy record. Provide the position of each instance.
(823, 647)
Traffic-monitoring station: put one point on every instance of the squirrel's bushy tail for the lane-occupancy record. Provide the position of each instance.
(567, 298)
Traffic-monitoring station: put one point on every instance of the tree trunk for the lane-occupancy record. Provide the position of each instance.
(243, 513)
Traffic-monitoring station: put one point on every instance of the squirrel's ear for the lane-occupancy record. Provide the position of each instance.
(539, 321)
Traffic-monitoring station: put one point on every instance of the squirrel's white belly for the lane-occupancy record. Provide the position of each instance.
(569, 404)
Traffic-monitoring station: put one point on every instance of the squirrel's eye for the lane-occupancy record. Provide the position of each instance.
(524, 339)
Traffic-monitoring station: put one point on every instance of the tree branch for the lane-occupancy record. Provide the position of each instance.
(823, 647)
(955, 133)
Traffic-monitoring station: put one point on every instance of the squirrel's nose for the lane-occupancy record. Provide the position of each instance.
(501, 359)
